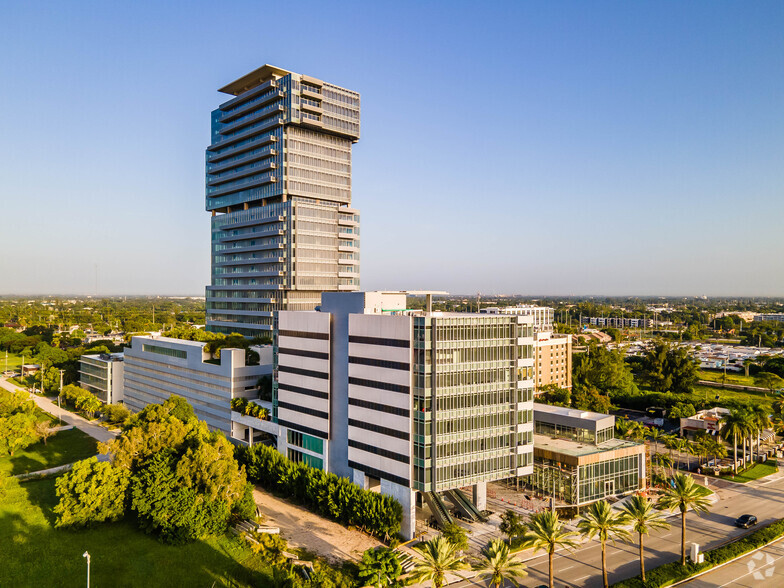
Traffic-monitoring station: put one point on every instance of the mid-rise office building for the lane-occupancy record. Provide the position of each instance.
(279, 189)
(414, 402)
(552, 352)
(102, 374)
(158, 367)
(618, 322)
(543, 315)
(578, 460)
(776, 317)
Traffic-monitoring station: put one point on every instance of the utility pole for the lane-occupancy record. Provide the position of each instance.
(59, 408)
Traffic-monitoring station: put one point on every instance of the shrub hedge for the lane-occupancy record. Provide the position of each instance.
(673, 572)
(324, 493)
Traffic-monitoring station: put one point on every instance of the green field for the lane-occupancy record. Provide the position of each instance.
(64, 447)
(728, 396)
(14, 361)
(36, 554)
(732, 377)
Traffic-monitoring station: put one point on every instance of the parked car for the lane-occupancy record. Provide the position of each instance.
(746, 521)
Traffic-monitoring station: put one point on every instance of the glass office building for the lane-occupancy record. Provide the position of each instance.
(278, 185)
(577, 459)
(473, 399)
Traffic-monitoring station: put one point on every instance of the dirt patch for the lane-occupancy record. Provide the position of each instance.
(303, 529)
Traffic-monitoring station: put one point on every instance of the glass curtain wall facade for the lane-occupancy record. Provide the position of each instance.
(573, 433)
(278, 184)
(473, 407)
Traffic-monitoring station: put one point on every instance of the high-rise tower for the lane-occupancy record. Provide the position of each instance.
(279, 189)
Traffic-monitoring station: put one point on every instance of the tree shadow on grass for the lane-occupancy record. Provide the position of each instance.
(65, 447)
(36, 554)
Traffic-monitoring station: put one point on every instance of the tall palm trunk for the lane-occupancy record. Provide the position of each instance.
(683, 538)
(735, 452)
(604, 564)
(552, 550)
(642, 561)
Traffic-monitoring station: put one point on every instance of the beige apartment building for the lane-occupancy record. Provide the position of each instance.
(553, 364)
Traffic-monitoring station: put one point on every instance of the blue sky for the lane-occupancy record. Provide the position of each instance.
(507, 147)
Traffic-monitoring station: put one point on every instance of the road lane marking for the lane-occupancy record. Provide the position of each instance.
(564, 569)
(583, 578)
(756, 570)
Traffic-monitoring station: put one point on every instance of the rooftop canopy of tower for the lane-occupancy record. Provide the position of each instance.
(253, 79)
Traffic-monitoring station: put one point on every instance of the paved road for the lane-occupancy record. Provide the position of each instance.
(95, 431)
(761, 568)
(582, 567)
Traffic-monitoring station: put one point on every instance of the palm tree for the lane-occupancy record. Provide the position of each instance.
(637, 431)
(682, 446)
(379, 567)
(662, 460)
(438, 557)
(545, 530)
(717, 449)
(644, 518)
(691, 449)
(735, 424)
(601, 521)
(669, 443)
(683, 495)
(656, 435)
(499, 565)
(622, 425)
(761, 420)
(747, 363)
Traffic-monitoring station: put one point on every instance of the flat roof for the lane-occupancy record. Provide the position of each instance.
(253, 79)
(569, 412)
(577, 449)
(171, 340)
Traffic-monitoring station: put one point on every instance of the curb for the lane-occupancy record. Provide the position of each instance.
(721, 565)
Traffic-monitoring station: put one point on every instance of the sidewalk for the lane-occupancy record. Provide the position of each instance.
(97, 432)
(55, 470)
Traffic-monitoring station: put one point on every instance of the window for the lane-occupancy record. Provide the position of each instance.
(178, 353)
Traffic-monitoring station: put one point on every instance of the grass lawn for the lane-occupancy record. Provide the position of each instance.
(755, 472)
(36, 554)
(64, 447)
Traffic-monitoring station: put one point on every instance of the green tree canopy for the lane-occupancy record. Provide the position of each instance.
(603, 370)
(667, 367)
(91, 492)
(17, 431)
(169, 507)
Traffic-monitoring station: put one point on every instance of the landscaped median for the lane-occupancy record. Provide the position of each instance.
(670, 573)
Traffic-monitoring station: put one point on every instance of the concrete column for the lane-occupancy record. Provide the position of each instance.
(359, 478)
(480, 495)
(407, 499)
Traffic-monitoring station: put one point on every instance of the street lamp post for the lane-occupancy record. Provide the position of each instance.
(87, 556)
